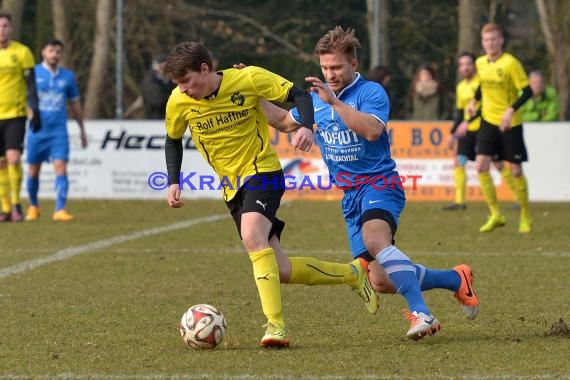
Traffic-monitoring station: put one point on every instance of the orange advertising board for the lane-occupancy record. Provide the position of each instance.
(420, 151)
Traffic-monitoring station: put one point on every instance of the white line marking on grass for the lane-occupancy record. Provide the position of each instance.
(96, 245)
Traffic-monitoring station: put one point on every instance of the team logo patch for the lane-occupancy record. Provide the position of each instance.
(500, 72)
(237, 99)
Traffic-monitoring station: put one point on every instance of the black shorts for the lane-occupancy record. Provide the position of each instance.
(261, 193)
(12, 133)
(466, 145)
(508, 146)
(377, 213)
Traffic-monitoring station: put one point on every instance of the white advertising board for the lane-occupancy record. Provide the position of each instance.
(124, 157)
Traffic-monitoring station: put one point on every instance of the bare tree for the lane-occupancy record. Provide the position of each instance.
(469, 16)
(60, 26)
(378, 31)
(15, 7)
(554, 22)
(100, 56)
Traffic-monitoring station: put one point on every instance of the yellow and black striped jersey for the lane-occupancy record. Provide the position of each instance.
(230, 130)
(501, 82)
(14, 60)
(464, 92)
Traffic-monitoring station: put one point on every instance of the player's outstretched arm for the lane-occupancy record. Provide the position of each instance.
(77, 111)
(361, 123)
(278, 118)
(173, 152)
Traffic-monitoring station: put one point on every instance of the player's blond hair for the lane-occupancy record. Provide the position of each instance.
(338, 40)
(492, 27)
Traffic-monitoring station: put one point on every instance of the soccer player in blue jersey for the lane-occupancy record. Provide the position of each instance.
(351, 115)
(56, 85)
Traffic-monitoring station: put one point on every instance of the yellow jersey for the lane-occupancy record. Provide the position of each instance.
(231, 130)
(501, 82)
(464, 92)
(14, 60)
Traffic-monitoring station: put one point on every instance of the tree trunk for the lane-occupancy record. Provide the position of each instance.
(469, 16)
(15, 7)
(60, 26)
(99, 61)
(384, 32)
(377, 18)
(557, 47)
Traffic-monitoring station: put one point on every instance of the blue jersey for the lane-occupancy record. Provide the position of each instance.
(54, 90)
(346, 154)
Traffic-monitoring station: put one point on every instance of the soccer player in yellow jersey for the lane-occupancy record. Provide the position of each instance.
(465, 129)
(504, 89)
(223, 112)
(16, 78)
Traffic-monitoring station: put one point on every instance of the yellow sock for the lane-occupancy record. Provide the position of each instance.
(266, 275)
(488, 189)
(460, 179)
(522, 195)
(5, 191)
(15, 178)
(510, 181)
(310, 271)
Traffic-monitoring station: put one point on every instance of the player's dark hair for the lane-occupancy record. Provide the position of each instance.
(7, 15)
(466, 54)
(338, 40)
(52, 42)
(184, 57)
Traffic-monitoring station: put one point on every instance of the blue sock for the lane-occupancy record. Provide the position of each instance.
(61, 187)
(402, 273)
(33, 184)
(437, 279)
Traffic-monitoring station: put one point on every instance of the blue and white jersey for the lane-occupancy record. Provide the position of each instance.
(54, 90)
(346, 154)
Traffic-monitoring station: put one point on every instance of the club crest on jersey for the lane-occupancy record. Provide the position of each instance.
(500, 72)
(237, 99)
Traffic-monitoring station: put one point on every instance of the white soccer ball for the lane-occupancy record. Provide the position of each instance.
(203, 326)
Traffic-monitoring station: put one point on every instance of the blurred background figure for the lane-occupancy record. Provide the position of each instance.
(544, 104)
(381, 74)
(155, 90)
(425, 95)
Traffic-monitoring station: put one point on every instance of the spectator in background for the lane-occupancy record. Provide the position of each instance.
(382, 75)
(544, 104)
(155, 90)
(425, 95)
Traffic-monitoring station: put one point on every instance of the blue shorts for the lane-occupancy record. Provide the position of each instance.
(46, 147)
(389, 201)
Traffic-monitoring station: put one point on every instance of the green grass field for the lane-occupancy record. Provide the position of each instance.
(101, 297)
